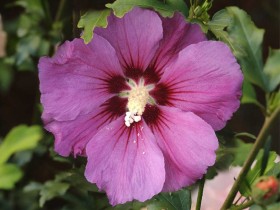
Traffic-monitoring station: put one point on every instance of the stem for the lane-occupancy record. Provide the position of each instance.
(200, 193)
(46, 8)
(245, 205)
(269, 120)
(240, 196)
(246, 135)
(261, 107)
(60, 10)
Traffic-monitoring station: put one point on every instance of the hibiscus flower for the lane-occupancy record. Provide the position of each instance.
(141, 101)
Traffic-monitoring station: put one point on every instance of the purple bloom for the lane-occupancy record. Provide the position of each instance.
(141, 101)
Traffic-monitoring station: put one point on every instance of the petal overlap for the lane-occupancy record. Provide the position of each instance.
(126, 163)
(188, 144)
(177, 35)
(205, 79)
(75, 81)
(135, 37)
(72, 136)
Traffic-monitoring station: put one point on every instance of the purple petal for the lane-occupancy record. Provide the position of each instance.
(177, 34)
(78, 78)
(135, 37)
(125, 162)
(73, 135)
(206, 80)
(188, 144)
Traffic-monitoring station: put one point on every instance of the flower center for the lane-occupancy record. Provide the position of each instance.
(138, 96)
(137, 99)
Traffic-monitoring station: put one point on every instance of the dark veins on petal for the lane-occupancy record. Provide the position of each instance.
(151, 76)
(151, 114)
(112, 109)
(117, 84)
(128, 132)
(161, 94)
(133, 73)
(154, 118)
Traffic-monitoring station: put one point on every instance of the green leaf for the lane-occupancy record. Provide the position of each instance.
(134, 205)
(248, 94)
(211, 173)
(217, 26)
(44, 47)
(255, 172)
(27, 46)
(52, 189)
(77, 179)
(121, 7)
(33, 186)
(6, 75)
(224, 158)
(241, 152)
(272, 68)
(23, 157)
(274, 206)
(178, 5)
(31, 6)
(179, 200)
(256, 207)
(25, 24)
(273, 101)
(220, 20)
(245, 134)
(169, 201)
(274, 171)
(266, 153)
(92, 19)
(20, 138)
(9, 175)
(245, 35)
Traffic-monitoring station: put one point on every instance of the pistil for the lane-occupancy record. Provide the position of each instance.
(138, 97)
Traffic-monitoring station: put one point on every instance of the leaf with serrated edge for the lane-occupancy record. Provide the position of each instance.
(90, 20)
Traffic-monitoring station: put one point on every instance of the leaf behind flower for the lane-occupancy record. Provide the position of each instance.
(272, 68)
(90, 20)
(246, 36)
(167, 9)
